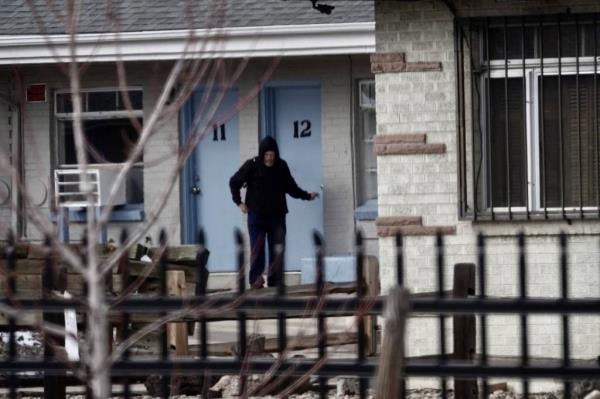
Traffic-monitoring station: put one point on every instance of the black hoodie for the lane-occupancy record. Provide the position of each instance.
(266, 186)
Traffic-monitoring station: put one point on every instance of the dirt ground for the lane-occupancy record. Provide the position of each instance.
(30, 346)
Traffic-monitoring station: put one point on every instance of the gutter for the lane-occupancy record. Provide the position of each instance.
(266, 41)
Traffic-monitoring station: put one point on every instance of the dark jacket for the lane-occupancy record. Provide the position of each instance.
(265, 186)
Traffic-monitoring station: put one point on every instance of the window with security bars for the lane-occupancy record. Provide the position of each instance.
(528, 116)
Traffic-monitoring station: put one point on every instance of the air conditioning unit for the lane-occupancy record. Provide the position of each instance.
(70, 193)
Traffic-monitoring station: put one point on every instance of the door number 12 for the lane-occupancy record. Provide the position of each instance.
(305, 132)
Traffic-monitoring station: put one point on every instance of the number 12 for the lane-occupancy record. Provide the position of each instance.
(306, 125)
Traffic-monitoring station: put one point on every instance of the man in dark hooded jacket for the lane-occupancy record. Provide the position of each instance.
(268, 179)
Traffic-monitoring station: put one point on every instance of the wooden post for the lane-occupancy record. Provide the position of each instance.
(177, 335)
(53, 282)
(371, 270)
(464, 333)
(202, 275)
(391, 360)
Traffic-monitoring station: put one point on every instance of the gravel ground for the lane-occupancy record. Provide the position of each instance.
(333, 394)
(30, 347)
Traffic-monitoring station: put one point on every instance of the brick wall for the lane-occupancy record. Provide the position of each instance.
(425, 185)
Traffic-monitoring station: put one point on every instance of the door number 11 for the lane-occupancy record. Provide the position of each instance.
(305, 132)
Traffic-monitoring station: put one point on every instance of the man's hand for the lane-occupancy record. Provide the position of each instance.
(243, 208)
(313, 196)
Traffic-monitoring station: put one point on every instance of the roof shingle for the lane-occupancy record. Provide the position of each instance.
(49, 16)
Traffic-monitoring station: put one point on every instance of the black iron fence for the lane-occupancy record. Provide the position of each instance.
(463, 364)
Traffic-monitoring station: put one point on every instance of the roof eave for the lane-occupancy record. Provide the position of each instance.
(267, 41)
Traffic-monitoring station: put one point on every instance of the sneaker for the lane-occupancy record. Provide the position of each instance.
(259, 282)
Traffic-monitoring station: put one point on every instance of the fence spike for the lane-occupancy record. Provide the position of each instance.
(279, 265)
(10, 238)
(239, 238)
(317, 238)
(239, 246)
(399, 259)
(124, 236)
(522, 267)
(440, 293)
(358, 238)
(12, 342)
(360, 317)
(162, 237)
(439, 247)
(564, 293)
(124, 327)
(201, 239)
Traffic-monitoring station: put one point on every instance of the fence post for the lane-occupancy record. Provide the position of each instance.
(391, 360)
(464, 334)
(371, 270)
(177, 335)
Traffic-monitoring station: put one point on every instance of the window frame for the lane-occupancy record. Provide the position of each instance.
(92, 115)
(130, 212)
(568, 67)
(473, 186)
(361, 144)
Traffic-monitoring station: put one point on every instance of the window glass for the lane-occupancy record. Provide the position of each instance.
(569, 128)
(367, 94)
(572, 37)
(508, 142)
(368, 126)
(64, 105)
(515, 39)
(102, 101)
(107, 140)
(135, 96)
(367, 160)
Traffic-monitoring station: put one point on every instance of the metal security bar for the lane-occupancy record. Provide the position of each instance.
(528, 129)
(205, 308)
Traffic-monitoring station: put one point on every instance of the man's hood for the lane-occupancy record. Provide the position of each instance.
(268, 144)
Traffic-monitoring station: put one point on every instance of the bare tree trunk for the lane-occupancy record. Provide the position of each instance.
(97, 330)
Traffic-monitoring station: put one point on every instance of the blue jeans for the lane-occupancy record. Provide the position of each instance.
(263, 228)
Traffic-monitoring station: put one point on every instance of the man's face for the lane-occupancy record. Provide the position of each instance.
(269, 158)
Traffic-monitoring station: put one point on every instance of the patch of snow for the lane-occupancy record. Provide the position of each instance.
(25, 338)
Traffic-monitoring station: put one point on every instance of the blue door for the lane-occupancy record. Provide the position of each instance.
(292, 114)
(206, 199)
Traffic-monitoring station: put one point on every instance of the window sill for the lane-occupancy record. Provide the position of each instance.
(120, 213)
(367, 211)
(533, 216)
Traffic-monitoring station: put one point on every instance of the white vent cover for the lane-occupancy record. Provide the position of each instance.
(69, 192)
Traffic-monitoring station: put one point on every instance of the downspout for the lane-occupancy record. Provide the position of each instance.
(18, 153)
(352, 140)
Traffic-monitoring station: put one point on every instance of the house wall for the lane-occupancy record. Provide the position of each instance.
(38, 141)
(425, 185)
(337, 75)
